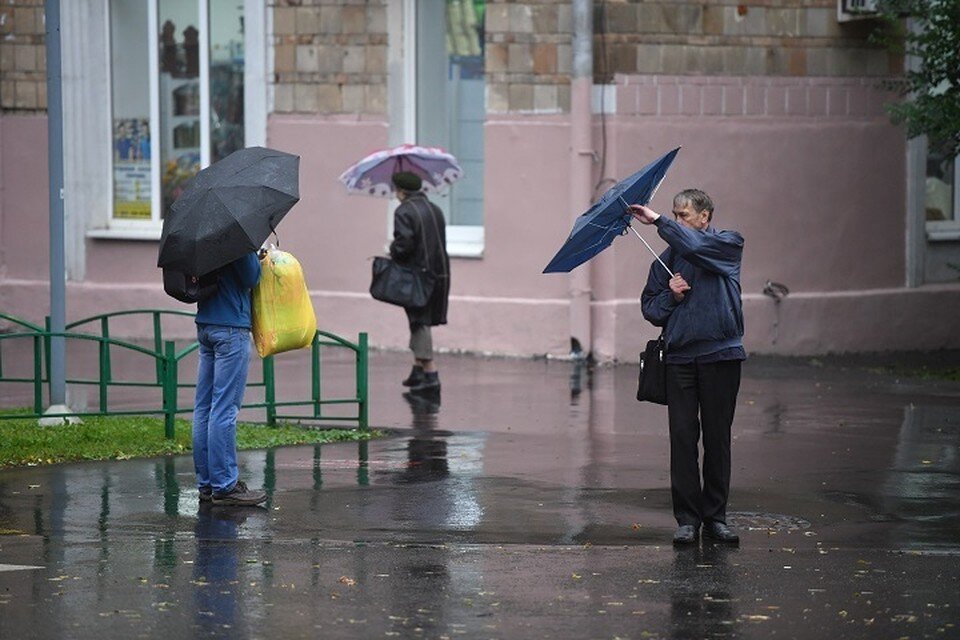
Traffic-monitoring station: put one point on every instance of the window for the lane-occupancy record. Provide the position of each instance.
(941, 196)
(450, 99)
(177, 98)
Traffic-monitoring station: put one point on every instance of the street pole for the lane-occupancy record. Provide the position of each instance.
(581, 169)
(57, 371)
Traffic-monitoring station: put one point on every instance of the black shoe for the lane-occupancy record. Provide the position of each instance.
(415, 377)
(429, 383)
(720, 532)
(206, 494)
(686, 534)
(240, 496)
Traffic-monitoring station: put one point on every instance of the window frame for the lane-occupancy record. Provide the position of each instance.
(463, 241)
(946, 230)
(256, 20)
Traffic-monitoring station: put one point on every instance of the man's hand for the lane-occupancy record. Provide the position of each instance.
(678, 286)
(646, 215)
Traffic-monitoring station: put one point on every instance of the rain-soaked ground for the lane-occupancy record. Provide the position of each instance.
(532, 501)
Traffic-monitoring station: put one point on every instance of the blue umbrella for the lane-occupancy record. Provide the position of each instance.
(609, 217)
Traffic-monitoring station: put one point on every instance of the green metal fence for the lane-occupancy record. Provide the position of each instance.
(164, 360)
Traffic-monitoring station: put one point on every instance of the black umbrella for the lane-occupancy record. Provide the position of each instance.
(229, 209)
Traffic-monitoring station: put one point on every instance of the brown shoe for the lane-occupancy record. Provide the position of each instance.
(240, 496)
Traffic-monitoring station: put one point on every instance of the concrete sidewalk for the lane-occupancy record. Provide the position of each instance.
(532, 501)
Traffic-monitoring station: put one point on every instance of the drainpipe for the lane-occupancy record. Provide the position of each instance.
(581, 168)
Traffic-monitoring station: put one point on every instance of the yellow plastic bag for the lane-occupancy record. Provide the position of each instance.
(283, 317)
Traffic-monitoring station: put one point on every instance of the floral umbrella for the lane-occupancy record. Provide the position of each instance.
(371, 176)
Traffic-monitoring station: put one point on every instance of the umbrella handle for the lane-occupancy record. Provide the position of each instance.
(629, 226)
(273, 230)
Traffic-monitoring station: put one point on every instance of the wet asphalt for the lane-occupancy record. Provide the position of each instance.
(529, 500)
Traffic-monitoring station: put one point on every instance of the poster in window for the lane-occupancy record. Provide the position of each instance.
(131, 169)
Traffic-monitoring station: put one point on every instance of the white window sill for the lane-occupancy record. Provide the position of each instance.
(943, 234)
(465, 241)
(149, 234)
(464, 250)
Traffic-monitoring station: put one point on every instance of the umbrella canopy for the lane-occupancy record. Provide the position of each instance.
(609, 217)
(371, 176)
(229, 209)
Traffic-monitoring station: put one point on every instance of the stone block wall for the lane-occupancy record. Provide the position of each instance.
(725, 37)
(528, 56)
(755, 96)
(330, 56)
(23, 56)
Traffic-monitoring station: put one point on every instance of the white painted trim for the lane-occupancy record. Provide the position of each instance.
(114, 232)
(465, 241)
(204, 46)
(410, 70)
(156, 146)
(608, 93)
(255, 83)
(87, 128)
(943, 231)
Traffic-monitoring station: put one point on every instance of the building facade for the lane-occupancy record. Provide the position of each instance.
(777, 105)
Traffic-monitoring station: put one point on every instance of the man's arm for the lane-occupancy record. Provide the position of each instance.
(248, 270)
(719, 252)
(657, 301)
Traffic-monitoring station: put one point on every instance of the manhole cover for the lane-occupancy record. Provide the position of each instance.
(755, 521)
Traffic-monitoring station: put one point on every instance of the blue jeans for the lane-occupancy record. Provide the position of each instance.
(221, 379)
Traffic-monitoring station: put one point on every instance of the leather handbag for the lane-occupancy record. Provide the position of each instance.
(652, 383)
(407, 287)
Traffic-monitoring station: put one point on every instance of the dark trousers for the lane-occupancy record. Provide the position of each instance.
(701, 397)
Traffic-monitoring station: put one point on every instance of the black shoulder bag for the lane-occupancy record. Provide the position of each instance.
(652, 383)
(408, 287)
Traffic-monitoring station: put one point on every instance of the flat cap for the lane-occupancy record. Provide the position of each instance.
(407, 181)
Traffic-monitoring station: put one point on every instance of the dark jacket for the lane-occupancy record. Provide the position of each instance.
(710, 317)
(420, 239)
(230, 306)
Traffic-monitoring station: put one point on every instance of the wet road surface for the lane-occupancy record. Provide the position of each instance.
(530, 501)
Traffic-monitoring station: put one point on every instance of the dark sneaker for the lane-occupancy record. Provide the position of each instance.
(686, 534)
(206, 494)
(429, 383)
(240, 496)
(720, 532)
(416, 375)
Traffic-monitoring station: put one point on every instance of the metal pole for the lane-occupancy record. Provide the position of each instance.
(581, 168)
(55, 159)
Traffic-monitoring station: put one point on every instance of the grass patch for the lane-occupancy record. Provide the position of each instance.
(22, 442)
(925, 372)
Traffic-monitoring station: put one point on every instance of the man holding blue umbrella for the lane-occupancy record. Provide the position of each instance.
(700, 310)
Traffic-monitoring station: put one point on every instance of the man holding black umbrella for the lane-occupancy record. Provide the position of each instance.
(700, 310)
(223, 331)
(216, 226)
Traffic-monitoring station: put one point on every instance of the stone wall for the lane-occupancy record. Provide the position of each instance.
(528, 56)
(725, 37)
(23, 56)
(330, 56)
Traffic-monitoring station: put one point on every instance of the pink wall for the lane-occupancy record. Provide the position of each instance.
(818, 196)
(24, 198)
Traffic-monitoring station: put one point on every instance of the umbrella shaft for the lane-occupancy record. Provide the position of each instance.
(649, 248)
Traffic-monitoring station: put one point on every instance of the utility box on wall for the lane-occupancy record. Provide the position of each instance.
(848, 10)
